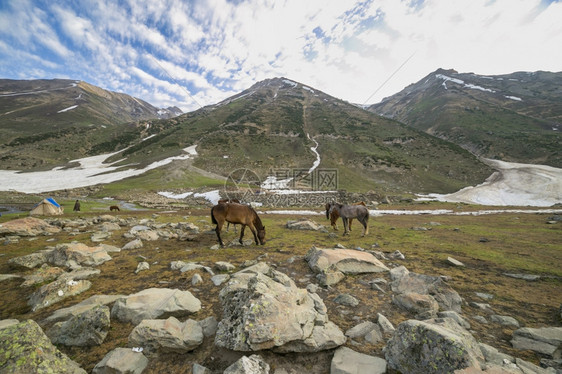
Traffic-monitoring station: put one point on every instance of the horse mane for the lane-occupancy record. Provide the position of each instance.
(257, 220)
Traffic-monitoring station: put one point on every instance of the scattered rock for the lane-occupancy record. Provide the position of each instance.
(8, 322)
(209, 326)
(142, 266)
(74, 255)
(248, 365)
(480, 319)
(455, 262)
(397, 255)
(263, 309)
(56, 291)
(219, 279)
(305, 225)
(199, 369)
(527, 277)
(485, 296)
(86, 329)
(385, 325)
(455, 316)
(134, 244)
(28, 226)
(121, 361)
(224, 266)
(493, 356)
(26, 349)
(153, 303)
(29, 261)
(482, 306)
(346, 299)
(329, 278)
(504, 320)
(423, 306)
(360, 330)
(404, 282)
(348, 261)
(100, 236)
(347, 361)
(169, 335)
(196, 279)
(77, 309)
(433, 346)
(545, 340)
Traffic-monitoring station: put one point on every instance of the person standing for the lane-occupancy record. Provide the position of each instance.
(76, 206)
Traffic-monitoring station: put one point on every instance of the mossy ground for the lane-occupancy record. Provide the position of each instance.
(517, 243)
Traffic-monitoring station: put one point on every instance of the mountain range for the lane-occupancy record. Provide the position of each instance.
(427, 138)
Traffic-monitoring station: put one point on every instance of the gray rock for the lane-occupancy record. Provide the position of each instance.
(44, 274)
(74, 255)
(219, 279)
(434, 346)
(100, 236)
(385, 325)
(147, 235)
(134, 244)
(485, 296)
(527, 277)
(109, 226)
(170, 335)
(196, 279)
(420, 305)
(142, 266)
(457, 317)
(209, 326)
(28, 226)
(397, 255)
(480, 319)
(346, 299)
(86, 329)
(348, 261)
(454, 262)
(56, 291)
(199, 369)
(305, 225)
(504, 320)
(90, 303)
(347, 361)
(404, 282)
(26, 349)
(375, 335)
(493, 356)
(224, 266)
(121, 361)
(248, 365)
(360, 330)
(545, 340)
(263, 309)
(8, 322)
(329, 278)
(29, 261)
(153, 303)
(529, 368)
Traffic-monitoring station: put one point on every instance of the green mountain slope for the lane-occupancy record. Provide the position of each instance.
(514, 117)
(272, 126)
(45, 121)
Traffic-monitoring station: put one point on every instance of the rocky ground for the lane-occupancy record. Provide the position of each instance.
(153, 291)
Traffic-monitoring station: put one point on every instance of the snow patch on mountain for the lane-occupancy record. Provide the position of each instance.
(67, 109)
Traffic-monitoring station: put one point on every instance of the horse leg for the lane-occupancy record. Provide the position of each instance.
(255, 232)
(242, 234)
(350, 220)
(227, 226)
(345, 226)
(365, 223)
(218, 231)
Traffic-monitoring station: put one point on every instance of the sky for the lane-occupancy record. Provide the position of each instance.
(195, 53)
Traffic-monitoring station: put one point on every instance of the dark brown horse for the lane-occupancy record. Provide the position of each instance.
(238, 213)
(227, 201)
(351, 211)
(334, 215)
(114, 207)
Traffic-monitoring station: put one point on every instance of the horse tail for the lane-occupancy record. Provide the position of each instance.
(213, 219)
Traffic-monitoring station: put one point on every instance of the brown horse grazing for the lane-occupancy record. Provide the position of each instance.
(333, 217)
(227, 201)
(347, 212)
(238, 213)
(114, 207)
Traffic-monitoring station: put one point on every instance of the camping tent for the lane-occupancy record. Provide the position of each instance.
(47, 207)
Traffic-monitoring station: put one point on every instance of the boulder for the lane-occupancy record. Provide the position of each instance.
(330, 278)
(457, 317)
(90, 303)
(154, 303)
(433, 346)
(28, 226)
(44, 274)
(545, 340)
(224, 266)
(348, 261)
(404, 282)
(423, 306)
(263, 309)
(209, 326)
(147, 235)
(346, 299)
(74, 255)
(56, 291)
(142, 266)
(169, 335)
(29, 261)
(100, 236)
(109, 226)
(385, 325)
(504, 320)
(248, 365)
(86, 329)
(347, 361)
(360, 330)
(121, 361)
(26, 349)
